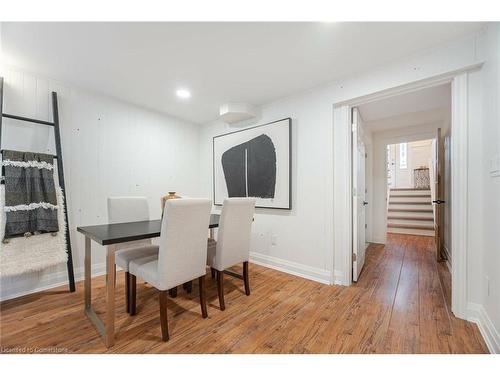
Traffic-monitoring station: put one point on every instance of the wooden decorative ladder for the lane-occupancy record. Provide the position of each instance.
(60, 169)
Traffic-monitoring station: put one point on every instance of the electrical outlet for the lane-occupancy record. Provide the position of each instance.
(274, 240)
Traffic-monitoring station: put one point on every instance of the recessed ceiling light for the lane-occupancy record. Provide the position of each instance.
(183, 93)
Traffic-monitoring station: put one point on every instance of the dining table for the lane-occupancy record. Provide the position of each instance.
(110, 236)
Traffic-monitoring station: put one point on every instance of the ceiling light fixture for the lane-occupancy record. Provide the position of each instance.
(183, 93)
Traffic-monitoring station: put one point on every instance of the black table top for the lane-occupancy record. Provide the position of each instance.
(109, 234)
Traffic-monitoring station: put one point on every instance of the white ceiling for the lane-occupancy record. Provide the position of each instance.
(417, 101)
(144, 63)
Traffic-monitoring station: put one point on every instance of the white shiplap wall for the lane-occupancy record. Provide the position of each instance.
(109, 148)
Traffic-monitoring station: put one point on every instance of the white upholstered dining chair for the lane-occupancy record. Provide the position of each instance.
(182, 255)
(124, 210)
(233, 242)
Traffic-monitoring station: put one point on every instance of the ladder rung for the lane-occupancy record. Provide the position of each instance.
(20, 118)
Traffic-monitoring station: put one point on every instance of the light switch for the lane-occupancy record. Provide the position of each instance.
(495, 166)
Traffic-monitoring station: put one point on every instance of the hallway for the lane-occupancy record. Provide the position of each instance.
(399, 305)
(410, 294)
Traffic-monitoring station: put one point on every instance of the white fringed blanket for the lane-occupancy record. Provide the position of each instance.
(30, 254)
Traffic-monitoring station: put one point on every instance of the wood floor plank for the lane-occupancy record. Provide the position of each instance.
(401, 304)
(435, 326)
(405, 310)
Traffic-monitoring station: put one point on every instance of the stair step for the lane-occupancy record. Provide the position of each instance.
(403, 217)
(409, 210)
(410, 226)
(406, 202)
(415, 215)
(415, 199)
(416, 195)
(408, 189)
(415, 232)
(409, 193)
(396, 223)
(412, 206)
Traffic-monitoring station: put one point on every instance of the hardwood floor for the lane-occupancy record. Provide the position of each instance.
(401, 304)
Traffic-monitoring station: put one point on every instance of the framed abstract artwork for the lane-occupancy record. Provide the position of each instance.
(254, 162)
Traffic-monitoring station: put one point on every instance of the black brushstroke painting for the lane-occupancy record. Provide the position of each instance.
(250, 168)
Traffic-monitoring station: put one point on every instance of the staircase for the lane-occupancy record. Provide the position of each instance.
(409, 211)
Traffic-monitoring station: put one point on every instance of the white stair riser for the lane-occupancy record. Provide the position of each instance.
(410, 206)
(417, 232)
(409, 192)
(395, 199)
(423, 215)
(411, 222)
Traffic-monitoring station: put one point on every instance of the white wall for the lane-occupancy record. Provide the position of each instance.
(300, 235)
(485, 304)
(109, 148)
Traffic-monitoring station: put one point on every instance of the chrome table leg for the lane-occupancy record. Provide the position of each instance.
(107, 331)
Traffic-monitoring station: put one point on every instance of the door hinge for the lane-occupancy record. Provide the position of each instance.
(366, 226)
(354, 257)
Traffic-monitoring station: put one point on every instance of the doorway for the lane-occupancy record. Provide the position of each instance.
(407, 157)
(343, 183)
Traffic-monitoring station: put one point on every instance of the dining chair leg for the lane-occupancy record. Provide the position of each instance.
(173, 292)
(212, 272)
(245, 278)
(127, 291)
(203, 300)
(220, 289)
(163, 315)
(188, 287)
(133, 293)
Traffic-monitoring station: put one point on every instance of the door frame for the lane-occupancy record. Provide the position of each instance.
(342, 189)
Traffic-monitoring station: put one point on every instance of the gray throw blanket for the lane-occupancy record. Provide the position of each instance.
(30, 195)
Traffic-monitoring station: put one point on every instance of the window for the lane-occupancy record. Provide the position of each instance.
(403, 151)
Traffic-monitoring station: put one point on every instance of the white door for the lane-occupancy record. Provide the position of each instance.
(359, 196)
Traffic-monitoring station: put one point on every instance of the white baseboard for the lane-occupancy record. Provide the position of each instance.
(377, 240)
(297, 269)
(32, 283)
(338, 277)
(477, 314)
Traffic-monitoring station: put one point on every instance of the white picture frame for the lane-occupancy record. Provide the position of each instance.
(255, 162)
